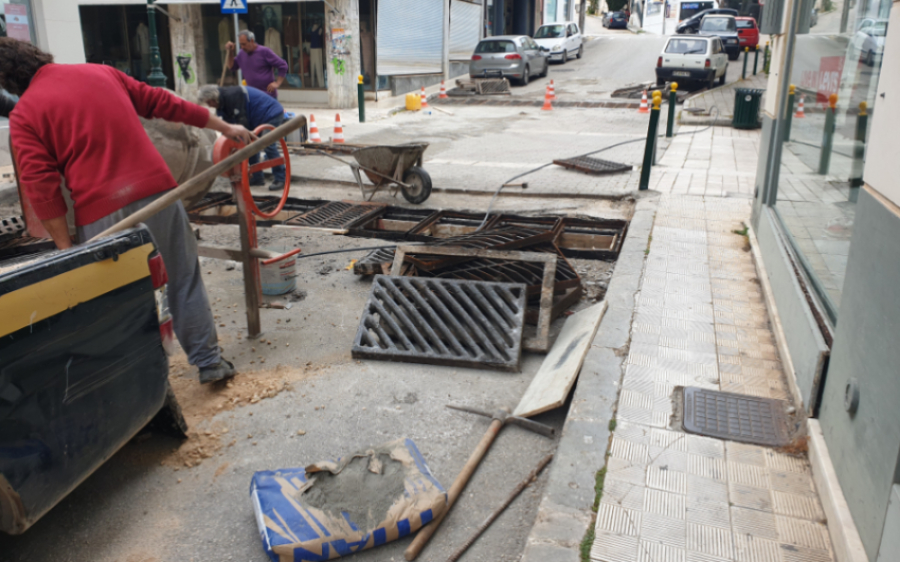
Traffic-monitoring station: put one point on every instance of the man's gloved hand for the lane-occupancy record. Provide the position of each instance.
(239, 133)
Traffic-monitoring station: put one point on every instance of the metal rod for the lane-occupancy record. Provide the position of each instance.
(744, 69)
(789, 116)
(237, 46)
(755, 59)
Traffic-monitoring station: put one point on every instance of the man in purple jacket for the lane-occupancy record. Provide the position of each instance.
(262, 68)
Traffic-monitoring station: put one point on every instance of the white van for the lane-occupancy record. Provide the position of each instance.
(562, 39)
(692, 58)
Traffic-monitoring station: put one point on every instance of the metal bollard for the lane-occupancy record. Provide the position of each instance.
(744, 70)
(670, 124)
(361, 94)
(766, 58)
(828, 136)
(650, 145)
(859, 151)
(755, 59)
(792, 93)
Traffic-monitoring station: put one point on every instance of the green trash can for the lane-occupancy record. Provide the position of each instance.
(746, 108)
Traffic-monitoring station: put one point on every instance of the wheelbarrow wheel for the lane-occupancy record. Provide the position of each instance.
(420, 185)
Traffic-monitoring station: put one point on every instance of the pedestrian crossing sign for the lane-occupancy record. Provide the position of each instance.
(234, 6)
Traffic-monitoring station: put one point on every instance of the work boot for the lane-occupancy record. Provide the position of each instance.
(257, 181)
(277, 186)
(222, 370)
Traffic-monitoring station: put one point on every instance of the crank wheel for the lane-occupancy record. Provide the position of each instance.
(420, 185)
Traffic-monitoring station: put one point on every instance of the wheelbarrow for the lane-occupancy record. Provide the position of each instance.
(397, 167)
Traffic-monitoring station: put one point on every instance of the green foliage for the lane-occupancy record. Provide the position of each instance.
(612, 425)
(616, 5)
(587, 542)
(593, 7)
(598, 487)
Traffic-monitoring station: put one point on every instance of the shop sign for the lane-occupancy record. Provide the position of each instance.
(825, 81)
(17, 22)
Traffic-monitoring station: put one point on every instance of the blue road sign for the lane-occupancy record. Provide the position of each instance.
(234, 6)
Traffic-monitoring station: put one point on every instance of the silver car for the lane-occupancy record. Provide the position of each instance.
(512, 56)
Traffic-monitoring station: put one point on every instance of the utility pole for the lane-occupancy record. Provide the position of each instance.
(156, 77)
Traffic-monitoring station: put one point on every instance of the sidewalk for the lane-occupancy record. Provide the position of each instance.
(698, 109)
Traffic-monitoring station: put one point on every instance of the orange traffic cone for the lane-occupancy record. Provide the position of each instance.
(443, 91)
(548, 106)
(800, 113)
(424, 98)
(644, 108)
(313, 129)
(552, 91)
(338, 129)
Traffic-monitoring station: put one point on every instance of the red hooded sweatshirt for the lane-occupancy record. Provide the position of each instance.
(81, 121)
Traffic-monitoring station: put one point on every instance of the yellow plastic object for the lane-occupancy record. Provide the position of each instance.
(413, 102)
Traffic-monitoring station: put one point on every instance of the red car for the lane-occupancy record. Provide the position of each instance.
(748, 32)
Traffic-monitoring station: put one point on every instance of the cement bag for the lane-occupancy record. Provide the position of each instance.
(332, 509)
(187, 151)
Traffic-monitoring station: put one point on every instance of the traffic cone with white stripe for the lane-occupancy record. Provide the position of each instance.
(800, 113)
(552, 91)
(548, 106)
(644, 108)
(313, 129)
(424, 98)
(338, 130)
(443, 91)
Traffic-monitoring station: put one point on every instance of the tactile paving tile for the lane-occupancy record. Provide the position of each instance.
(736, 417)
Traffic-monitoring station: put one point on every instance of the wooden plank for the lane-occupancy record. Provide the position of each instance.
(554, 380)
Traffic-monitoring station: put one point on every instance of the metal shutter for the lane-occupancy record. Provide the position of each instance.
(465, 24)
(410, 36)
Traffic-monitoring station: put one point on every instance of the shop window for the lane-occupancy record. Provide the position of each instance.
(815, 197)
(16, 20)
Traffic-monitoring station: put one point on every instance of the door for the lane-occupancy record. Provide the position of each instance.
(721, 58)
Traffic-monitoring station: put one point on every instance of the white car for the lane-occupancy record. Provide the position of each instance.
(870, 42)
(692, 58)
(562, 39)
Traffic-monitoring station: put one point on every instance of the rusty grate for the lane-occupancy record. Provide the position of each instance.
(12, 225)
(736, 417)
(393, 224)
(596, 166)
(508, 238)
(492, 86)
(442, 322)
(24, 245)
(446, 224)
(375, 262)
(336, 216)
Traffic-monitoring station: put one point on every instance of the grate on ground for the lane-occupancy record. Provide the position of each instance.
(589, 165)
(336, 216)
(735, 417)
(443, 322)
(492, 86)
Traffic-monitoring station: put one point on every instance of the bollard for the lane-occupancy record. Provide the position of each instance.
(650, 145)
(755, 58)
(766, 59)
(792, 93)
(859, 151)
(360, 93)
(670, 124)
(744, 70)
(828, 136)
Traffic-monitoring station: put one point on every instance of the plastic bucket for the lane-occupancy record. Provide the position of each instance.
(280, 277)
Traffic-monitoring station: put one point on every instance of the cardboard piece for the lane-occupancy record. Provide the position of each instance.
(293, 529)
(554, 380)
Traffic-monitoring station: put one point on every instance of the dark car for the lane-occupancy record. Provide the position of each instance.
(692, 24)
(725, 28)
(615, 20)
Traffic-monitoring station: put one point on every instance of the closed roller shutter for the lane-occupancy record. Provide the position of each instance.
(465, 23)
(410, 37)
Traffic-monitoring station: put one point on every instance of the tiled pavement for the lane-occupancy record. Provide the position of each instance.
(700, 320)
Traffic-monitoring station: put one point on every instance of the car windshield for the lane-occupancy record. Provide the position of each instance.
(496, 47)
(686, 47)
(744, 24)
(717, 24)
(550, 32)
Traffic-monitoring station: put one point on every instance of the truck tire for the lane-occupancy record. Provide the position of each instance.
(169, 420)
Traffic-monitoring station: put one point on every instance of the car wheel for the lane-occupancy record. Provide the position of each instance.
(724, 74)
(581, 52)
(565, 57)
(870, 59)
(525, 76)
(712, 82)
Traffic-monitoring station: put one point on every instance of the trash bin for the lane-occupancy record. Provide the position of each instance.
(746, 108)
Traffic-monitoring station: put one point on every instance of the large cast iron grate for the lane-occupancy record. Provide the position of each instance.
(735, 417)
(336, 215)
(492, 86)
(590, 165)
(442, 322)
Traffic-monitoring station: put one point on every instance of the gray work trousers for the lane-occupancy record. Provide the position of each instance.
(192, 317)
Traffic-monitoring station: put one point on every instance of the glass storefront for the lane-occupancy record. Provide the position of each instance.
(16, 20)
(295, 31)
(834, 70)
(118, 36)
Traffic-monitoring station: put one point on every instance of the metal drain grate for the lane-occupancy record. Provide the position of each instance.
(735, 417)
(442, 322)
(375, 262)
(492, 86)
(589, 165)
(12, 225)
(336, 216)
(24, 245)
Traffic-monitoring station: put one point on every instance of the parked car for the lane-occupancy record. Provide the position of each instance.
(748, 33)
(562, 39)
(510, 56)
(813, 17)
(692, 24)
(698, 59)
(615, 20)
(870, 42)
(725, 28)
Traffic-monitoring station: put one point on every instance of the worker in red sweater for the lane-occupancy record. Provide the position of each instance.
(81, 122)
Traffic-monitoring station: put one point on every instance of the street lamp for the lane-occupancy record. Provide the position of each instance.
(156, 77)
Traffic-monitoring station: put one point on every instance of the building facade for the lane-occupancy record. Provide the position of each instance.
(827, 220)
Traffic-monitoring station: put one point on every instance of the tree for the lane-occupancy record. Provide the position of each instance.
(616, 5)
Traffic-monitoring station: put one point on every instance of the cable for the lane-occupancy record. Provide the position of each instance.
(299, 256)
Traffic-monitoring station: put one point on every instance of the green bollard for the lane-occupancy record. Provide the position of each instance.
(755, 59)
(828, 136)
(744, 70)
(650, 145)
(859, 151)
(767, 59)
(792, 93)
(361, 94)
(670, 124)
